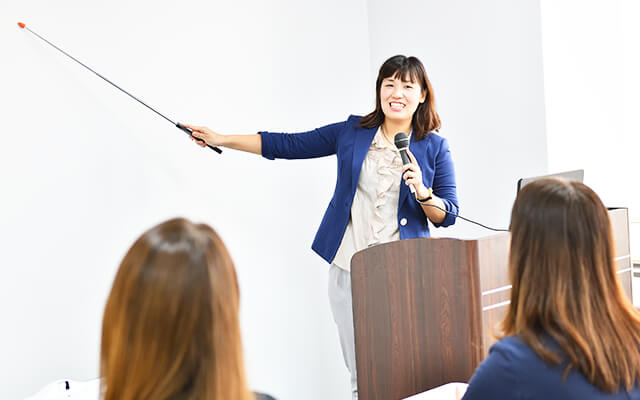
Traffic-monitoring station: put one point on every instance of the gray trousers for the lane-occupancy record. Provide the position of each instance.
(340, 299)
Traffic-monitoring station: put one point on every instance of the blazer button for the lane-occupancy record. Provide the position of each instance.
(403, 221)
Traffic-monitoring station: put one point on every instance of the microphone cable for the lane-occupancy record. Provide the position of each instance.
(459, 216)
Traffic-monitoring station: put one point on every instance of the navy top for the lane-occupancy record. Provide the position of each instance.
(514, 371)
(262, 396)
(350, 143)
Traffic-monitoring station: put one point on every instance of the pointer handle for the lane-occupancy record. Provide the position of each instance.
(190, 133)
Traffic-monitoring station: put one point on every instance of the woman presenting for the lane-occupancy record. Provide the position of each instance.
(370, 205)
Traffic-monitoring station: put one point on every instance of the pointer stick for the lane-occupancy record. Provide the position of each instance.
(177, 124)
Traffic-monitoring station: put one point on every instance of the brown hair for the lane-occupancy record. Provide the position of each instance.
(170, 327)
(409, 69)
(565, 285)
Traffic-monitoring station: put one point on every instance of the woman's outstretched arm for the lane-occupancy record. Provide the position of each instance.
(248, 143)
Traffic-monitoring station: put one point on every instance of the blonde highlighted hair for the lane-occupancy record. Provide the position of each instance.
(564, 284)
(171, 327)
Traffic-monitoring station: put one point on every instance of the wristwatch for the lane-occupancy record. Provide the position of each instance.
(429, 196)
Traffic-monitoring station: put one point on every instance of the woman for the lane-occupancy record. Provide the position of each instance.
(369, 204)
(570, 331)
(170, 329)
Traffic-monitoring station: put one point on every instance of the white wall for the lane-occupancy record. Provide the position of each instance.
(85, 170)
(589, 51)
(592, 85)
(591, 65)
(484, 61)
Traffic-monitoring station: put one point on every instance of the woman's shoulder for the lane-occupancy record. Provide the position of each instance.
(262, 396)
(437, 139)
(509, 355)
(498, 374)
(353, 120)
(351, 123)
(513, 349)
(510, 343)
(510, 369)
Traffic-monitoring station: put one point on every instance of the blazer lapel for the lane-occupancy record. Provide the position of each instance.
(363, 140)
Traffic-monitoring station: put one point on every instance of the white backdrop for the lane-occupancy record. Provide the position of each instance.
(85, 170)
(592, 84)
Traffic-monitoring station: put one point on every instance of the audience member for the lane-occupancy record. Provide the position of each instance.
(170, 328)
(570, 331)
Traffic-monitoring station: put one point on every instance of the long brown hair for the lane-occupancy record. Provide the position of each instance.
(564, 284)
(410, 69)
(171, 327)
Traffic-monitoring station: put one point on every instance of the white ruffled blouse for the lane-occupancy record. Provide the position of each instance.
(374, 212)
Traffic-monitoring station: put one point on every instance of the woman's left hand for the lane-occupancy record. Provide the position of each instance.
(412, 175)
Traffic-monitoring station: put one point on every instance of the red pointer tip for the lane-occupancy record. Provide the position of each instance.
(21, 25)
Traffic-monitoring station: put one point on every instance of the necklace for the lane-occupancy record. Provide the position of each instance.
(390, 141)
(386, 138)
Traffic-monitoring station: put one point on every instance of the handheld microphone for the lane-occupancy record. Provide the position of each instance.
(401, 140)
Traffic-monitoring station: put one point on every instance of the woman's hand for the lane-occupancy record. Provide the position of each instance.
(204, 136)
(412, 175)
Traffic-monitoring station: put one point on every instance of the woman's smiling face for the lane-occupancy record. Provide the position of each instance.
(400, 99)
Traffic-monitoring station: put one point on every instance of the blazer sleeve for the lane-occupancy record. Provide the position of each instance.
(444, 183)
(319, 142)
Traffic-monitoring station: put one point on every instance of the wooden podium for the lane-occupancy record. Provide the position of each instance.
(426, 310)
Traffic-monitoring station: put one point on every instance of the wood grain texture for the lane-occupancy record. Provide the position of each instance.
(426, 311)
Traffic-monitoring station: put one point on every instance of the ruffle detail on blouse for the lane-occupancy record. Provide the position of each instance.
(388, 164)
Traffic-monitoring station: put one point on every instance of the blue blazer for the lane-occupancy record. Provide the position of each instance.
(350, 142)
(514, 371)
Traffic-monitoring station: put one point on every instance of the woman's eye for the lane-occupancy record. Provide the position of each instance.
(388, 85)
(409, 87)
